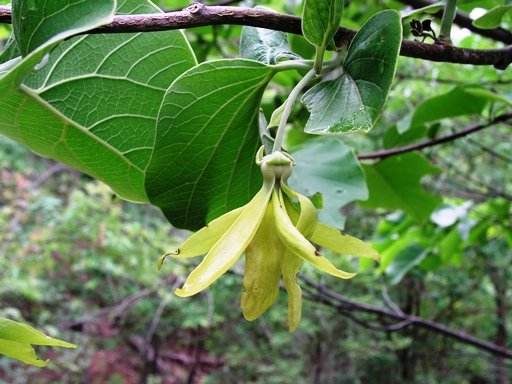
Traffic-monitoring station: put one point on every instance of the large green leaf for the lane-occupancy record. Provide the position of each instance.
(355, 100)
(94, 105)
(320, 20)
(16, 340)
(328, 166)
(36, 22)
(207, 138)
(394, 183)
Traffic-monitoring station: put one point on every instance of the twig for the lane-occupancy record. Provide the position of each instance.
(200, 15)
(414, 147)
(463, 20)
(411, 320)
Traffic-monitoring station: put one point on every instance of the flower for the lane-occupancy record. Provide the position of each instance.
(275, 236)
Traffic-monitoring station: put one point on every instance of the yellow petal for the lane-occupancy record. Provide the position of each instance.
(204, 239)
(230, 246)
(298, 244)
(333, 239)
(263, 263)
(292, 264)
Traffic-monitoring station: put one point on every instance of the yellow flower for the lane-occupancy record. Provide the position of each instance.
(275, 236)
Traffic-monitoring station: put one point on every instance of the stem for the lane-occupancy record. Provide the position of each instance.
(446, 23)
(294, 64)
(288, 108)
(319, 60)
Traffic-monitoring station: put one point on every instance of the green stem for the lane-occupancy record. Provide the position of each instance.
(447, 21)
(278, 141)
(319, 60)
(294, 65)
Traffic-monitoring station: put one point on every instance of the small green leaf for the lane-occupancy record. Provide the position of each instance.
(320, 20)
(394, 183)
(355, 100)
(492, 19)
(207, 138)
(16, 338)
(457, 102)
(404, 261)
(265, 45)
(392, 138)
(431, 8)
(329, 167)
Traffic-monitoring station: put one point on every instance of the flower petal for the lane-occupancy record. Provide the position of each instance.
(230, 246)
(298, 244)
(305, 222)
(263, 263)
(204, 239)
(333, 239)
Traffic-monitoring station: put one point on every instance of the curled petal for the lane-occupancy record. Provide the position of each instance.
(333, 239)
(298, 244)
(263, 264)
(204, 239)
(230, 246)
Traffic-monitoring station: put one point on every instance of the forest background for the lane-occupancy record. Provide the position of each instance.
(79, 263)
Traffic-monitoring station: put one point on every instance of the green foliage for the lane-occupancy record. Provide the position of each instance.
(175, 119)
(355, 99)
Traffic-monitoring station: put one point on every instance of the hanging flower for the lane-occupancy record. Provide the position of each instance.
(275, 236)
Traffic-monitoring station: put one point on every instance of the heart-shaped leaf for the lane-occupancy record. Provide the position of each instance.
(207, 138)
(355, 100)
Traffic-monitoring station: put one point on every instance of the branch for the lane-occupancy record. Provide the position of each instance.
(199, 15)
(405, 320)
(463, 20)
(414, 147)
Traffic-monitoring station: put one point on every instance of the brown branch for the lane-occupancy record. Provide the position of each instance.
(430, 143)
(343, 304)
(199, 15)
(463, 20)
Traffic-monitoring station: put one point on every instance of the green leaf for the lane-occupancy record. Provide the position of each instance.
(36, 22)
(355, 100)
(457, 102)
(207, 138)
(394, 183)
(492, 19)
(265, 45)
(431, 8)
(320, 20)
(16, 338)
(404, 261)
(93, 88)
(327, 166)
(392, 138)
